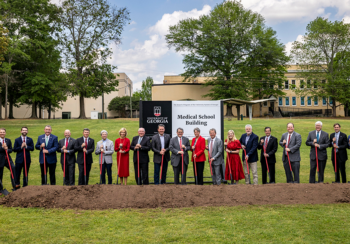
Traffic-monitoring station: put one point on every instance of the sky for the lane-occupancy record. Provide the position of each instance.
(144, 52)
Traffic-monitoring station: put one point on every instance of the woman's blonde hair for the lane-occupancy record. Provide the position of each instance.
(234, 136)
(123, 129)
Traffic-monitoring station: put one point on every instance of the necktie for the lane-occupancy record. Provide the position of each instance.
(24, 139)
(211, 147)
(336, 140)
(66, 144)
(267, 141)
(140, 138)
(288, 141)
(181, 144)
(85, 143)
(46, 140)
(318, 135)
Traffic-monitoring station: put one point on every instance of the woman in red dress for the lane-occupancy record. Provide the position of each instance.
(233, 159)
(198, 148)
(122, 147)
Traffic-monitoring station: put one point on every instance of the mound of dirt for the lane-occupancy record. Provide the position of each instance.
(170, 196)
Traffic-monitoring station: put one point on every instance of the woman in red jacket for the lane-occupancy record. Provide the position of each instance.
(122, 147)
(233, 160)
(198, 155)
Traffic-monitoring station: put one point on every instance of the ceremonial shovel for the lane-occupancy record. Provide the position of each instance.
(267, 166)
(64, 168)
(229, 166)
(335, 165)
(318, 172)
(290, 166)
(12, 177)
(25, 165)
(45, 176)
(118, 162)
(2, 190)
(246, 162)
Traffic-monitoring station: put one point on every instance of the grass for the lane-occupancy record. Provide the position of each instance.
(247, 224)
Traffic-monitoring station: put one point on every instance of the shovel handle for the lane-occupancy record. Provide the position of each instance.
(9, 163)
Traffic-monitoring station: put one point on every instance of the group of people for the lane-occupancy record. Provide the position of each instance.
(162, 144)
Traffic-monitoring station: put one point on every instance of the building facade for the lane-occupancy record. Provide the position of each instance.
(70, 108)
(173, 88)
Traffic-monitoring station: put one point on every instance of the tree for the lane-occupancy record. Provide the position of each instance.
(323, 43)
(4, 41)
(90, 26)
(119, 104)
(229, 47)
(146, 89)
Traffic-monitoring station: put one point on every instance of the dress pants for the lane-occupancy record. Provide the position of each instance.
(313, 170)
(216, 174)
(19, 168)
(50, 169)
(295, 169)
(81, 179)
(70, 174)
(341, 168)
(108, 168)
(253, 169)
(13, 170)
(200, 170)
(265, 172)
(157, 171)
(177, 172)
(143, 174)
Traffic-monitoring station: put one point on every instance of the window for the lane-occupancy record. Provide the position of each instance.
(308, 101)
(330, 101)
(308, 84)
(66, 115)
(293, 84)
(287, 101)
(315, 84)
(302, 101)
(265, 104)
(324, 101)
(302, 84)
(294, 101)
(280, 85)
(286, 85)
(315, 101)
(280, 101)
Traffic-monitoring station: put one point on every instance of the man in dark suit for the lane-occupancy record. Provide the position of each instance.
(48, 144)
(317, 138)
(249, 142)
(84, 145)
(160, 147)
(339, 142)
(66, 146)
(141, 145)
(268, 146)
(23, 143)
(5, 144)
(179, 147)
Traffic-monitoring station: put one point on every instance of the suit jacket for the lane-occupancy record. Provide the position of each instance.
(70, 157)
(324, 144)
(89, 150)
(216, 153)
(52, 146)
(174, 146)
(157, 146)
(251, 147)
(143, 151)
(294, 146)
(199, 149)
(271, 150)
(3, 152)
(342, 154)
(17, 148)
(107, 155)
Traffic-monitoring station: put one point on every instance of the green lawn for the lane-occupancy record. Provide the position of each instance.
(244, 224)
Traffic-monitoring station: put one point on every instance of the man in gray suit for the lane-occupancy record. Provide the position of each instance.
(179, 146)
(215, 149)
(320, 139)
(291, 142)
(66, 146)
(105, 146)
(160, 147)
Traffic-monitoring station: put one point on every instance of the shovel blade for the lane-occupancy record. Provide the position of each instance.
(5, 192)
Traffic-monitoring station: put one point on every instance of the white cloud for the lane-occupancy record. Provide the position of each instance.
(293, 10)
(141, 60)
(288, 46)
(346, 19)
(132, 23)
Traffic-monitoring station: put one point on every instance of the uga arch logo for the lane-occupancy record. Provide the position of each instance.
(157, 110)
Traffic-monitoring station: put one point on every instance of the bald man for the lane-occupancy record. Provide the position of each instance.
(66, 146)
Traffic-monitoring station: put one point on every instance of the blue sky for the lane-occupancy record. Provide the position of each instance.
(144, 52)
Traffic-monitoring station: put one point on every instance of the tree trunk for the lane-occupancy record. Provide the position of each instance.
(39, 110)
(0, 105)
(229, 110)
(11, 110)
(6, 94)
(34, 116)
(82, 107)
(238, 111)
(260, 105)
(334, 108)
(49, 111)
(346, 110)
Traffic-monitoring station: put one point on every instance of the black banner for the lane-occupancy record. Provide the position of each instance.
(153, 113)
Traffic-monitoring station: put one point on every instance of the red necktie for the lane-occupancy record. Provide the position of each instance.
(85, 142)
(288, 141)
(24, 139)
(66, 144)
(181, 144)
(267, 141)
